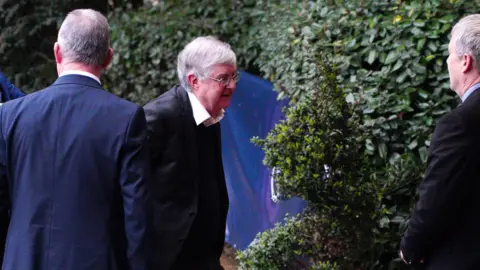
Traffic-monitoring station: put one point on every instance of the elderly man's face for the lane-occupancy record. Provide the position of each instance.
(212, 91)
(454, 64)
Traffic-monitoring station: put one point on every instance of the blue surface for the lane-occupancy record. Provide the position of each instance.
(253, 111)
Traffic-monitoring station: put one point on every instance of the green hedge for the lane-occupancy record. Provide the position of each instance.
(26, 48)
(390, 62)
(28, 30)
(390, 56)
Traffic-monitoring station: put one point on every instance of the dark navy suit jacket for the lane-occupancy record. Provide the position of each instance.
(73, 171)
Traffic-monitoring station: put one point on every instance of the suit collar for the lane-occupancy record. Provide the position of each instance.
(182, 96)
(196, 109)
(77, 79)
(470, 91)
(471, 97)
(188, 127)
(80, 72)
(199, 113)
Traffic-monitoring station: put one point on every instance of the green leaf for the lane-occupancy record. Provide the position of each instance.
(382, 149)
(397, 65)
(416, 31)
(413, 144)
(391, 57)
(349, 98)
(429, 57)
(433, 47)
(419, 69)
(421, 43)
(398, 220)
(369, 145)
(372, 55)
(424, 94)
(423, 153)
(401, 77)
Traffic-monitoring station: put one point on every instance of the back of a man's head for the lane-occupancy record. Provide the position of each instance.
(84, 37)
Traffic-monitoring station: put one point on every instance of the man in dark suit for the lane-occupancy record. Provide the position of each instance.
(189, 193)
(73, 165)
(443, 232)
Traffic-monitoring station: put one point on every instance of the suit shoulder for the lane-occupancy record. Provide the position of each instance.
(123, 102)
(464, 117)
(469, 109)
(94, 95)
(27, 98)
(114, 100)
(166, 105)
(454, 118)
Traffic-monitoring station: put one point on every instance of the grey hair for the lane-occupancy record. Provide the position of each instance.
(466, 35)
(84, 37)
(200, 55)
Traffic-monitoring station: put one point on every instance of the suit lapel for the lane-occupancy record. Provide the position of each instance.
(190, 140)
(188, 123)
(222, 188)
(221, 174)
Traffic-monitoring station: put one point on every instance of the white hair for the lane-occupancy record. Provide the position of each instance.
(466, 37)
(200, 55)
(84, 37)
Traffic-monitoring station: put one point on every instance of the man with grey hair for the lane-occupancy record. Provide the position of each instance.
(189, 191)
(443, 232)
(73, 165)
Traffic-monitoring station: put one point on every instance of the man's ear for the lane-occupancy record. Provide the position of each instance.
(467, 63)
(58, 53)
(108, 58)
(192, 81)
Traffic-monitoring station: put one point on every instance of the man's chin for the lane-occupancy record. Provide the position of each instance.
(224, 102)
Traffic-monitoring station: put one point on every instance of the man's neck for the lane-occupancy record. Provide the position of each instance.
(468, 83)
(80, 67)
(214, 112)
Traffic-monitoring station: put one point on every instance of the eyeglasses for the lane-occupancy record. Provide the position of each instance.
(225, 80)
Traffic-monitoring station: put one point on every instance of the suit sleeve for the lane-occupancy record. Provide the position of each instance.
(134, 177)
(9, 91)
(442, 190)
(4, 195)
(14, 92)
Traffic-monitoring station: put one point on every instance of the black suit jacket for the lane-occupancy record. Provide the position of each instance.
(445, 225)
(175, 173)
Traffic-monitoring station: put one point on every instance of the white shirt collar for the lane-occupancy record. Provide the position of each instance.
(200, 114)
(79, 72)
